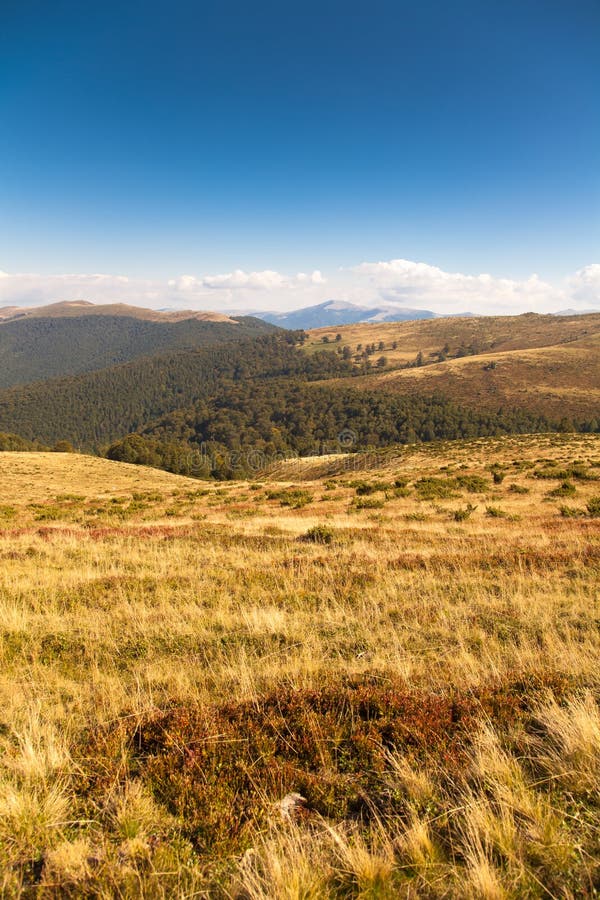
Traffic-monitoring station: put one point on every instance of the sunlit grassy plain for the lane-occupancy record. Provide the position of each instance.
(409, 641)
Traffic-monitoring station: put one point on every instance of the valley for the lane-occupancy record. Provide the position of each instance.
(250, 387)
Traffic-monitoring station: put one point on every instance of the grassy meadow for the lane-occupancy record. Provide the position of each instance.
(363, 677)
(546, 364)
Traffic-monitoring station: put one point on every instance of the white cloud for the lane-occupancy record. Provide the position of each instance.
(35, 290)
(398, 281)
(267, 280)
(315, 277)
(584, 285)
(273, 288)
(414, 283)
(255, 281)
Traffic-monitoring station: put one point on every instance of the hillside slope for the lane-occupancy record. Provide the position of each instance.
(42, 477)
(473, 335)
(92, 409)
(545, 364)
(562, 381)
(73, 340)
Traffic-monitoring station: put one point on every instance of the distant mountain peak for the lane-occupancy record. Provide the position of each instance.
(341, 312)
(575, 312)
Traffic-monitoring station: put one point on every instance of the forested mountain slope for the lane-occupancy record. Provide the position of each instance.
(246, 427)
(248, 400)
(92, 409)
(33, 348)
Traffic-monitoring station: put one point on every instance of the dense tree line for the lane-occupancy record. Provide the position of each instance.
(93, 409)
(246, 426)
(15, 443)
(39, 348)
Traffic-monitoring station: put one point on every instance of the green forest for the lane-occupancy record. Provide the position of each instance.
(15, 443)
(93, 409)
(246, 427)
(33, 349)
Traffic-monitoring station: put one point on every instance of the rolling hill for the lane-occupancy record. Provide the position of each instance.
(72, 338)
(472, 334)
(562, 381)
(78, 308)
(545, 364)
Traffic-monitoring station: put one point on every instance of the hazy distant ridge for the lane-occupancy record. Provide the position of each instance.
(338, 312)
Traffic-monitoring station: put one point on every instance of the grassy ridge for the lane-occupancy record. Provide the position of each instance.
(549, 365)
(475, 335)
(410, 644)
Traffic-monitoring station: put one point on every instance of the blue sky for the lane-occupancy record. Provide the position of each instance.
(155, 140)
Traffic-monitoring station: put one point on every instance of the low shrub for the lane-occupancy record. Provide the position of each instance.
(436, 488)
(566, 489)
(369, 503)
(518, 489)
(220, 769)
(364, 488)
(593, 507)
(474, 484)
(461, 515)
(571, 512)
(319, 534)
(295, 499)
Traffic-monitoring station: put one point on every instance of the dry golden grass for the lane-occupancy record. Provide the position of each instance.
(549, 380)
(546, 364)
(41, 477)
(490, 333)
(128, 592)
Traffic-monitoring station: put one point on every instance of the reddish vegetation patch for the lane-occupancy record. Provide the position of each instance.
(526, 559)
(16, 532)
(218, 769)
(159, 531)
(45, 532)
